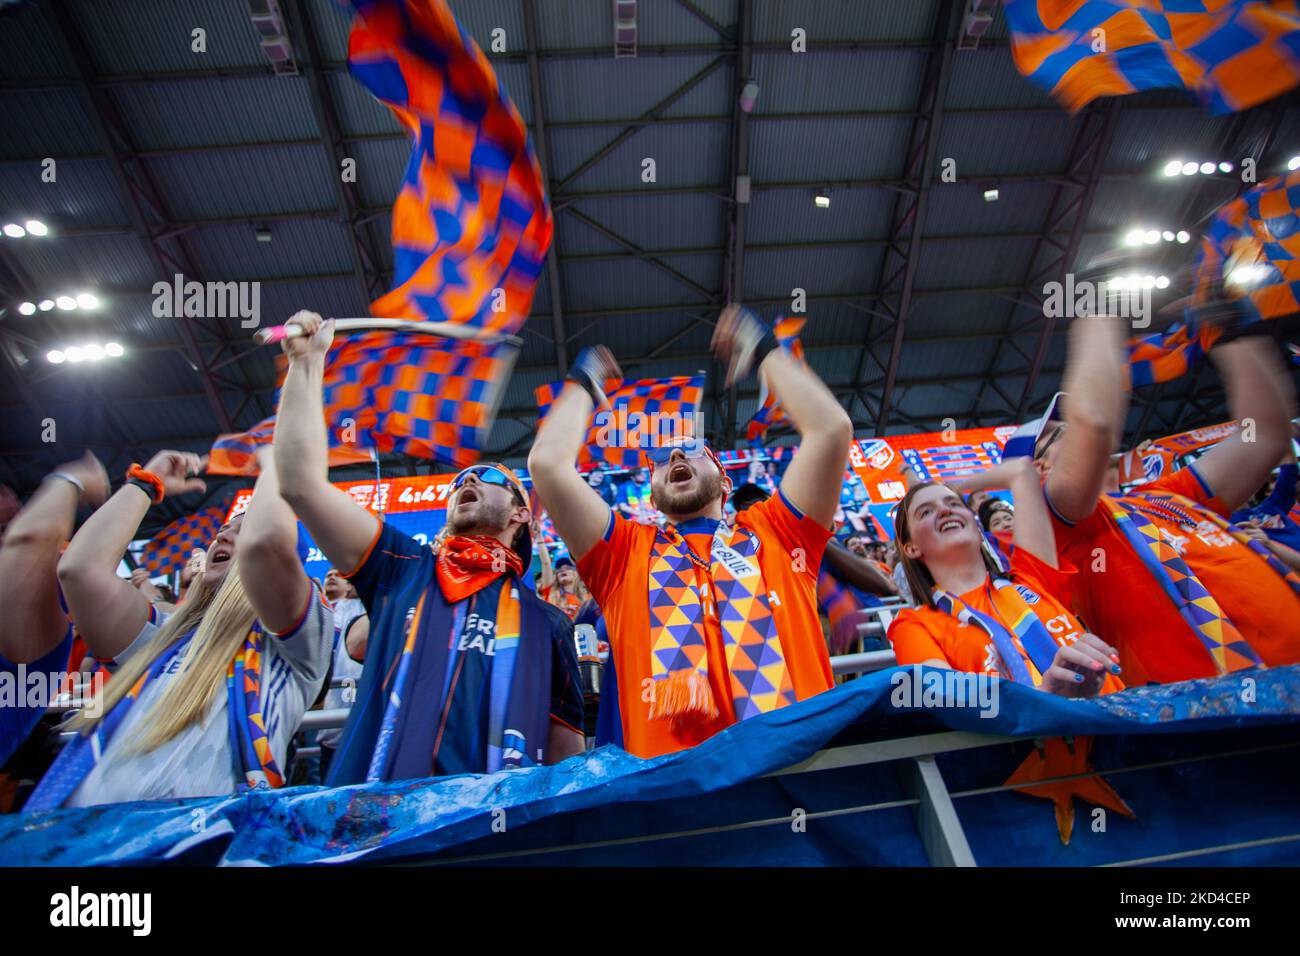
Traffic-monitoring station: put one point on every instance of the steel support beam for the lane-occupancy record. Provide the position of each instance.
(365, 261)
(543, 158)
(910, 209)
(138, 192)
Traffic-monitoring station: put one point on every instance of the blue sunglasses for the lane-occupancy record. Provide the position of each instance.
(660, 455)
(489, 475)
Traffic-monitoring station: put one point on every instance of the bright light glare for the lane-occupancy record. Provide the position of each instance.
(46, 305)
(1207, 168)
(66, 302)
(1293, 163)
(1167, 236)
(94, 352)
(1162, 282)
(14, 231)
(87, 300)
(115, 350)
(1245, 275)
(55, 357)
(1189, 169)
(74, 354)
(36, 227)
(1134, 237)
(1184, 236)
(27, 308)
(1173, 167)
(1225, 167)
(1152, 236)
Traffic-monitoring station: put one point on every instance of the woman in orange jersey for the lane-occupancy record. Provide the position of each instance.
(974, 615)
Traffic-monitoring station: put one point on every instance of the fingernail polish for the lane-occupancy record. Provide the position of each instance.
(1116, 669)
(1078, 678)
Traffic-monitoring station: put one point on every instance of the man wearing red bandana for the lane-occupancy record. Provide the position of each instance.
(708, 625)
(467, 670)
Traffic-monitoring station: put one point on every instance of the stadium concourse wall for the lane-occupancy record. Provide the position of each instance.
(871, 772)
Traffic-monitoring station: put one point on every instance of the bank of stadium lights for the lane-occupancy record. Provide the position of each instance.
(1178, 167)
(32, 227)
(91, 352)
(67, 303)
(1150, 237)
(1134, 282)
(822, 199)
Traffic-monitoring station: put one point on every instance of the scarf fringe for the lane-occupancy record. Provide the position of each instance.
(683, 697)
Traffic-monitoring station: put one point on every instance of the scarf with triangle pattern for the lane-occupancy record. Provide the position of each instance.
(684, 589)
(1226, 646)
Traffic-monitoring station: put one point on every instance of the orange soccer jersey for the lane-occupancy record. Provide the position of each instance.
(617, 572)
(1125, 606)
(924, 633)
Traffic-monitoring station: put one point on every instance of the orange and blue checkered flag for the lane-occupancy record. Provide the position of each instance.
(236, 453)
(1250, 260)
(471, 228)
(769, 411)
(170, 548)
(642, 413)
(1233, 54)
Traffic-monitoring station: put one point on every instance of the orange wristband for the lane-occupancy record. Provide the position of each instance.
(148, 478)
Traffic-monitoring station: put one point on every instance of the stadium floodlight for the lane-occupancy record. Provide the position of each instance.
(1162, 282)
(14, 231)
(1225, 167)
(74, 354)
(1293, 164)
(1207, 168)
(1134, 237)
(114, 349)
(55, 357)
(27, 308)
(94, 352)
(822, 199)
(1151, 237)
(1173, 167)
(66, 302)
(1184, 236)
(36, 227)
(990, 195)
(46, 305)
(87, 300)
(1167, 235)
(1190, 169)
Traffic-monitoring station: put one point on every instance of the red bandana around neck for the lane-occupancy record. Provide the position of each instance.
(467, 563)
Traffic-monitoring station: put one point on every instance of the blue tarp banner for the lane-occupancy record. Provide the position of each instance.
(413, 820)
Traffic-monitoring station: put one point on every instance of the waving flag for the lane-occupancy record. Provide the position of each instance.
(770, 411)
(170, 548)
(1250, 257)
(1234, 54)
(236, 453)
(644, 412)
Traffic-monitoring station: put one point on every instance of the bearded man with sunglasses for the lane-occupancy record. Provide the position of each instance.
(467, 670)
(707, 624)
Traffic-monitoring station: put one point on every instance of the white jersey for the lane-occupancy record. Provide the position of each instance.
(346, 613)
(199, 762)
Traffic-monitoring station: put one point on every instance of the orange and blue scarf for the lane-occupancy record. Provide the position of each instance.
(1227, 648)
(683, 589)
(1033, 636)
(249, 744)
(519, 701)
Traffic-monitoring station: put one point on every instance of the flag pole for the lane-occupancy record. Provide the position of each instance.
(277, 333)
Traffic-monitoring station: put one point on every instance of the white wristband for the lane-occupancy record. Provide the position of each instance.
(68, 478)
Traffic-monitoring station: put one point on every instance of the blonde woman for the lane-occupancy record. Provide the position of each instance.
(204, 701)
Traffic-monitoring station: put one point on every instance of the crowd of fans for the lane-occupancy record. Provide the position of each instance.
(693, 600)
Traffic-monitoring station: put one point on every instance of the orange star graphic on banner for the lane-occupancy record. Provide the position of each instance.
(1054, 759)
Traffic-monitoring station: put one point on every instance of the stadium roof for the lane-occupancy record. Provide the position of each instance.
(922, 297)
